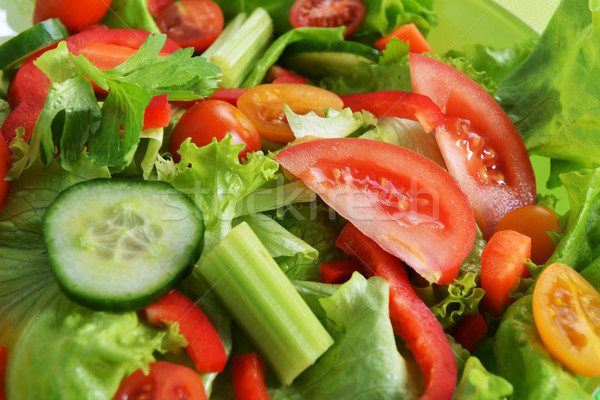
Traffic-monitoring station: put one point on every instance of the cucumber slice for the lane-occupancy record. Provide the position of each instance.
(120, 245)
(16, 50)
(315, 59)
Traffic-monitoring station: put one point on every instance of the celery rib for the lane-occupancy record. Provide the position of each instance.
(263, 301)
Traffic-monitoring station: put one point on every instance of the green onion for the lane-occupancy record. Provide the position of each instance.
(240, 46)
(263, 301)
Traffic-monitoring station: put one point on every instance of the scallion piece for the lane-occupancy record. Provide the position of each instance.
(263, 301)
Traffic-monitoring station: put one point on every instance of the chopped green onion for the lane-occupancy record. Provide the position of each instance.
(240, 46)
(263, 301)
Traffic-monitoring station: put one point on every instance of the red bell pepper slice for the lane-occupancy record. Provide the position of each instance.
(204, 347)
(340, 271)
(248, 374)
(469, 331)
(106, 48)
(3, 361)
(279, 74)
(394, 103)
(411, 318)
(407, 33)
(157, 113)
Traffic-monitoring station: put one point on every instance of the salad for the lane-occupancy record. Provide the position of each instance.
(215, 199)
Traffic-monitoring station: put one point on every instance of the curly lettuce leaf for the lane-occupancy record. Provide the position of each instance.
(553, 98)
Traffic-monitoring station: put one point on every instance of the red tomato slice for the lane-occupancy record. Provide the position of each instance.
(165, 381)
(481, 147)
(191, 23)
(403, 201)
(74, 14)
(328, 13)
(214, 119)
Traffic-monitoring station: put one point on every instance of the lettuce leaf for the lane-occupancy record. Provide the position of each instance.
(477, 383)
(554, 96)
(356, 316)
(130, 14)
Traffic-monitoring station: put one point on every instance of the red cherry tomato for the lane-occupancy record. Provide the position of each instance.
(74, 14)
(533, 221)
(5, 164)
(481, 147)
(328, 13)
(191, 23)
(403, 201)
(165, 381)
(156, 6)
(214, 119)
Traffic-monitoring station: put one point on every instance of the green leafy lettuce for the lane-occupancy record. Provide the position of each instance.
(554, 96)
(72, 117)
(356, 316)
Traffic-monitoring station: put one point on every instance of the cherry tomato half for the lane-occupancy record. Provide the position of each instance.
(165, 381)
(566, 310)
(533, 221)
(263, 105)
(191, 23)
(74, 14)
(214, 119)
(5, 164)
(328, 13)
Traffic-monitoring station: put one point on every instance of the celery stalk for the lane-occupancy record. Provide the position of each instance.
(240, 45)
(263, 301)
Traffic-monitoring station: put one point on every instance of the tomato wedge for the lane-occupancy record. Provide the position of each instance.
(566, 310)
(328, 13)
(165, 381)
(191, 23)
(403, 201)
(74, 14)
(480, 145)
(263, 105)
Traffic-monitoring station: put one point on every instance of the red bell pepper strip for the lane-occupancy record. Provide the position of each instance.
(157, 113)
(339, 271)
(279, 74)
(407, 33)
(469, 331)
(3, 361)
(28, 91)
(204, 347)
(502, 264)
(248, 374)
(394, 103)
(411, 318)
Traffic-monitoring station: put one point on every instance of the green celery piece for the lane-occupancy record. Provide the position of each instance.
(243, 46)
(231, 27)
(263, 301)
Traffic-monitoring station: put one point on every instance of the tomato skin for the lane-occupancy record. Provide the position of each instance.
(459, 97)
(5, 164)
(156, 6)
(165, 381)
(263, 105)
(533, 221)
(74, 14)
(328, 13)
(566, 310)
(469, 331)
(214, 119)
(3, 362)
(191, 23)
(405, 202)
(340, 271)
